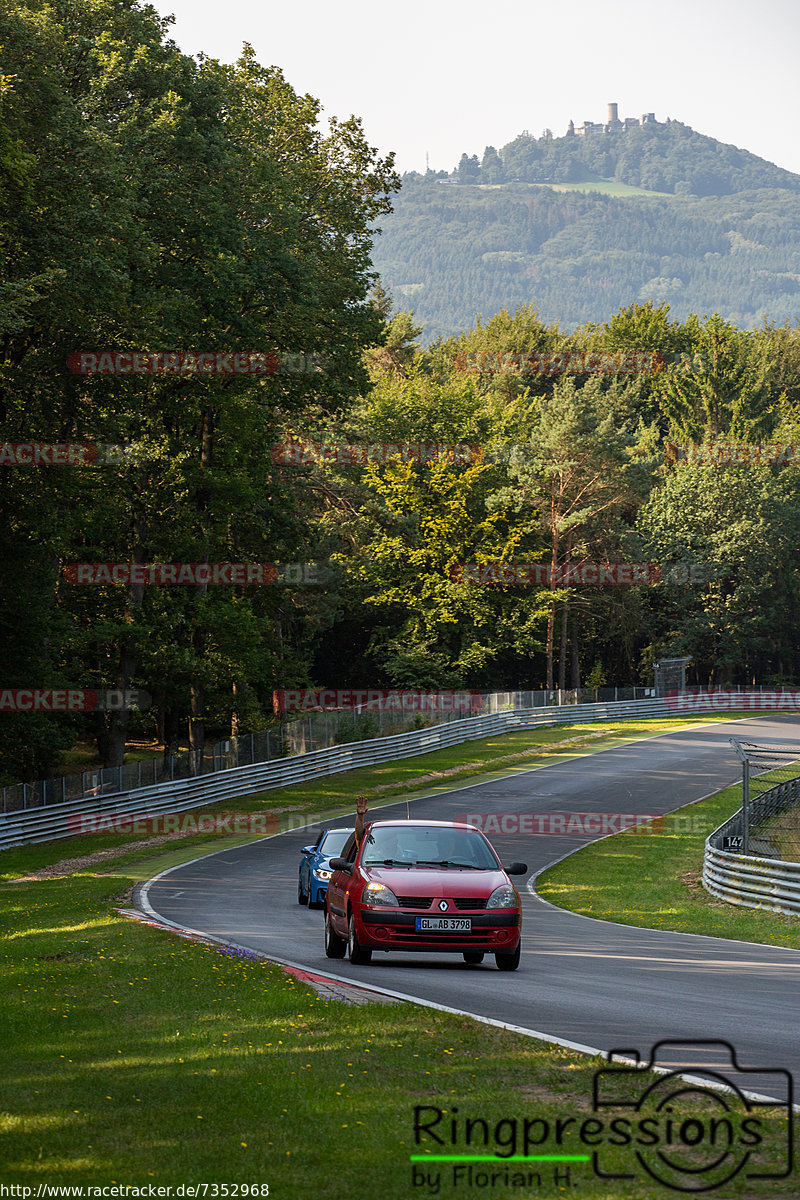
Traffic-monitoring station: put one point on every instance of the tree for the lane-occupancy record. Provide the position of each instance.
(398, 351)
(742, 524)
(171, 205)
(492, 170)
(573, 484)
(724, 390)
(468, 169)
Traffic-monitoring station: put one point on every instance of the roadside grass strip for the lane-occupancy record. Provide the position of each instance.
(133, 1056)
(653, 880)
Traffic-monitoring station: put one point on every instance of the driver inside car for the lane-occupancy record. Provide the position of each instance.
(449, 847)
(438, 846)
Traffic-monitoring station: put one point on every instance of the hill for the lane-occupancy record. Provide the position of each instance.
(660, 157)
(579, 244)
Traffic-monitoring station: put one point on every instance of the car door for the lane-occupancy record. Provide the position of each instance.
(336, 899)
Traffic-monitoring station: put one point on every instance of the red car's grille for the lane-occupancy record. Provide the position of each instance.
(470, 902)
(415, 901)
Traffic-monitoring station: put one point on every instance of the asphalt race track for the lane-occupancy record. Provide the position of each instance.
(589, 982)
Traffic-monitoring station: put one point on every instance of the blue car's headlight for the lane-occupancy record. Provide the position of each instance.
(321, 873)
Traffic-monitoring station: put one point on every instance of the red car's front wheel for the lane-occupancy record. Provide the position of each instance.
(508, 962)
(356, 952)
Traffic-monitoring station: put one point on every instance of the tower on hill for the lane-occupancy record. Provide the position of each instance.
(613, 123)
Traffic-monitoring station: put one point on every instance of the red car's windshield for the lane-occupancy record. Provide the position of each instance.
(421, 846)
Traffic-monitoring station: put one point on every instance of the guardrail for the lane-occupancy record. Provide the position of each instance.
(298, 734)
(748, 879)
(751, 881)
(48, 823)
(54, 821)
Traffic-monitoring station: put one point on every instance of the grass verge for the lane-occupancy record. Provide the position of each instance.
(134, 1057)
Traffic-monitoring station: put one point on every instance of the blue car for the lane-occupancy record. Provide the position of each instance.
(315, 868)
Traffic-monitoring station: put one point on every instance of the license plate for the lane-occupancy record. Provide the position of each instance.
(444, 924)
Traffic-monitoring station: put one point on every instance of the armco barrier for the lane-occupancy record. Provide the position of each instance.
(47, 824)
(300, 733)
(748, 879)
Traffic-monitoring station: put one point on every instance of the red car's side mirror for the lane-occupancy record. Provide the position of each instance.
(516, 868)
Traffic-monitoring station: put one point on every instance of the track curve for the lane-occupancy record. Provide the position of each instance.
(590, 983)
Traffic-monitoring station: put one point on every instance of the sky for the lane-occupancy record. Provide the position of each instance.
(448, 76)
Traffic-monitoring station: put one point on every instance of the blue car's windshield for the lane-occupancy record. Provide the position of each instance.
(417, 846)
(333, 842)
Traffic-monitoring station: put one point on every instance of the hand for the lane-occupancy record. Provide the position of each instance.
(361, 805)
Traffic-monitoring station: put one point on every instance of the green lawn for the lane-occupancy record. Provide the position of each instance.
(133, 1056)
(609, 187)
(84, 757)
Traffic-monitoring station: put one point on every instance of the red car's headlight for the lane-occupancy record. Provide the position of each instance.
(503, 897)
(378, 893)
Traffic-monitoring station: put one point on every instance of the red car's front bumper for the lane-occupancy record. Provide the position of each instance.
(388, 929)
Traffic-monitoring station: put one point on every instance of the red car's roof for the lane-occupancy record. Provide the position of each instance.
(402, 821)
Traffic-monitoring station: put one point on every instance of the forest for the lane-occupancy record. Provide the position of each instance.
(164, 216)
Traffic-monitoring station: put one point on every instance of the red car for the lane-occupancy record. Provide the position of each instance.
(423, 886)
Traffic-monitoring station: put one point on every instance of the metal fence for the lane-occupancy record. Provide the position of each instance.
(64, 820)
(753, 858)
(767, 823)
(300, 735)
(231, 779)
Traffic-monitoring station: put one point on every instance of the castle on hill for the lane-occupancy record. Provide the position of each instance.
(612, 125)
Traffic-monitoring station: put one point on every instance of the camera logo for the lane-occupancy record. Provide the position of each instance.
(688, 1134)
